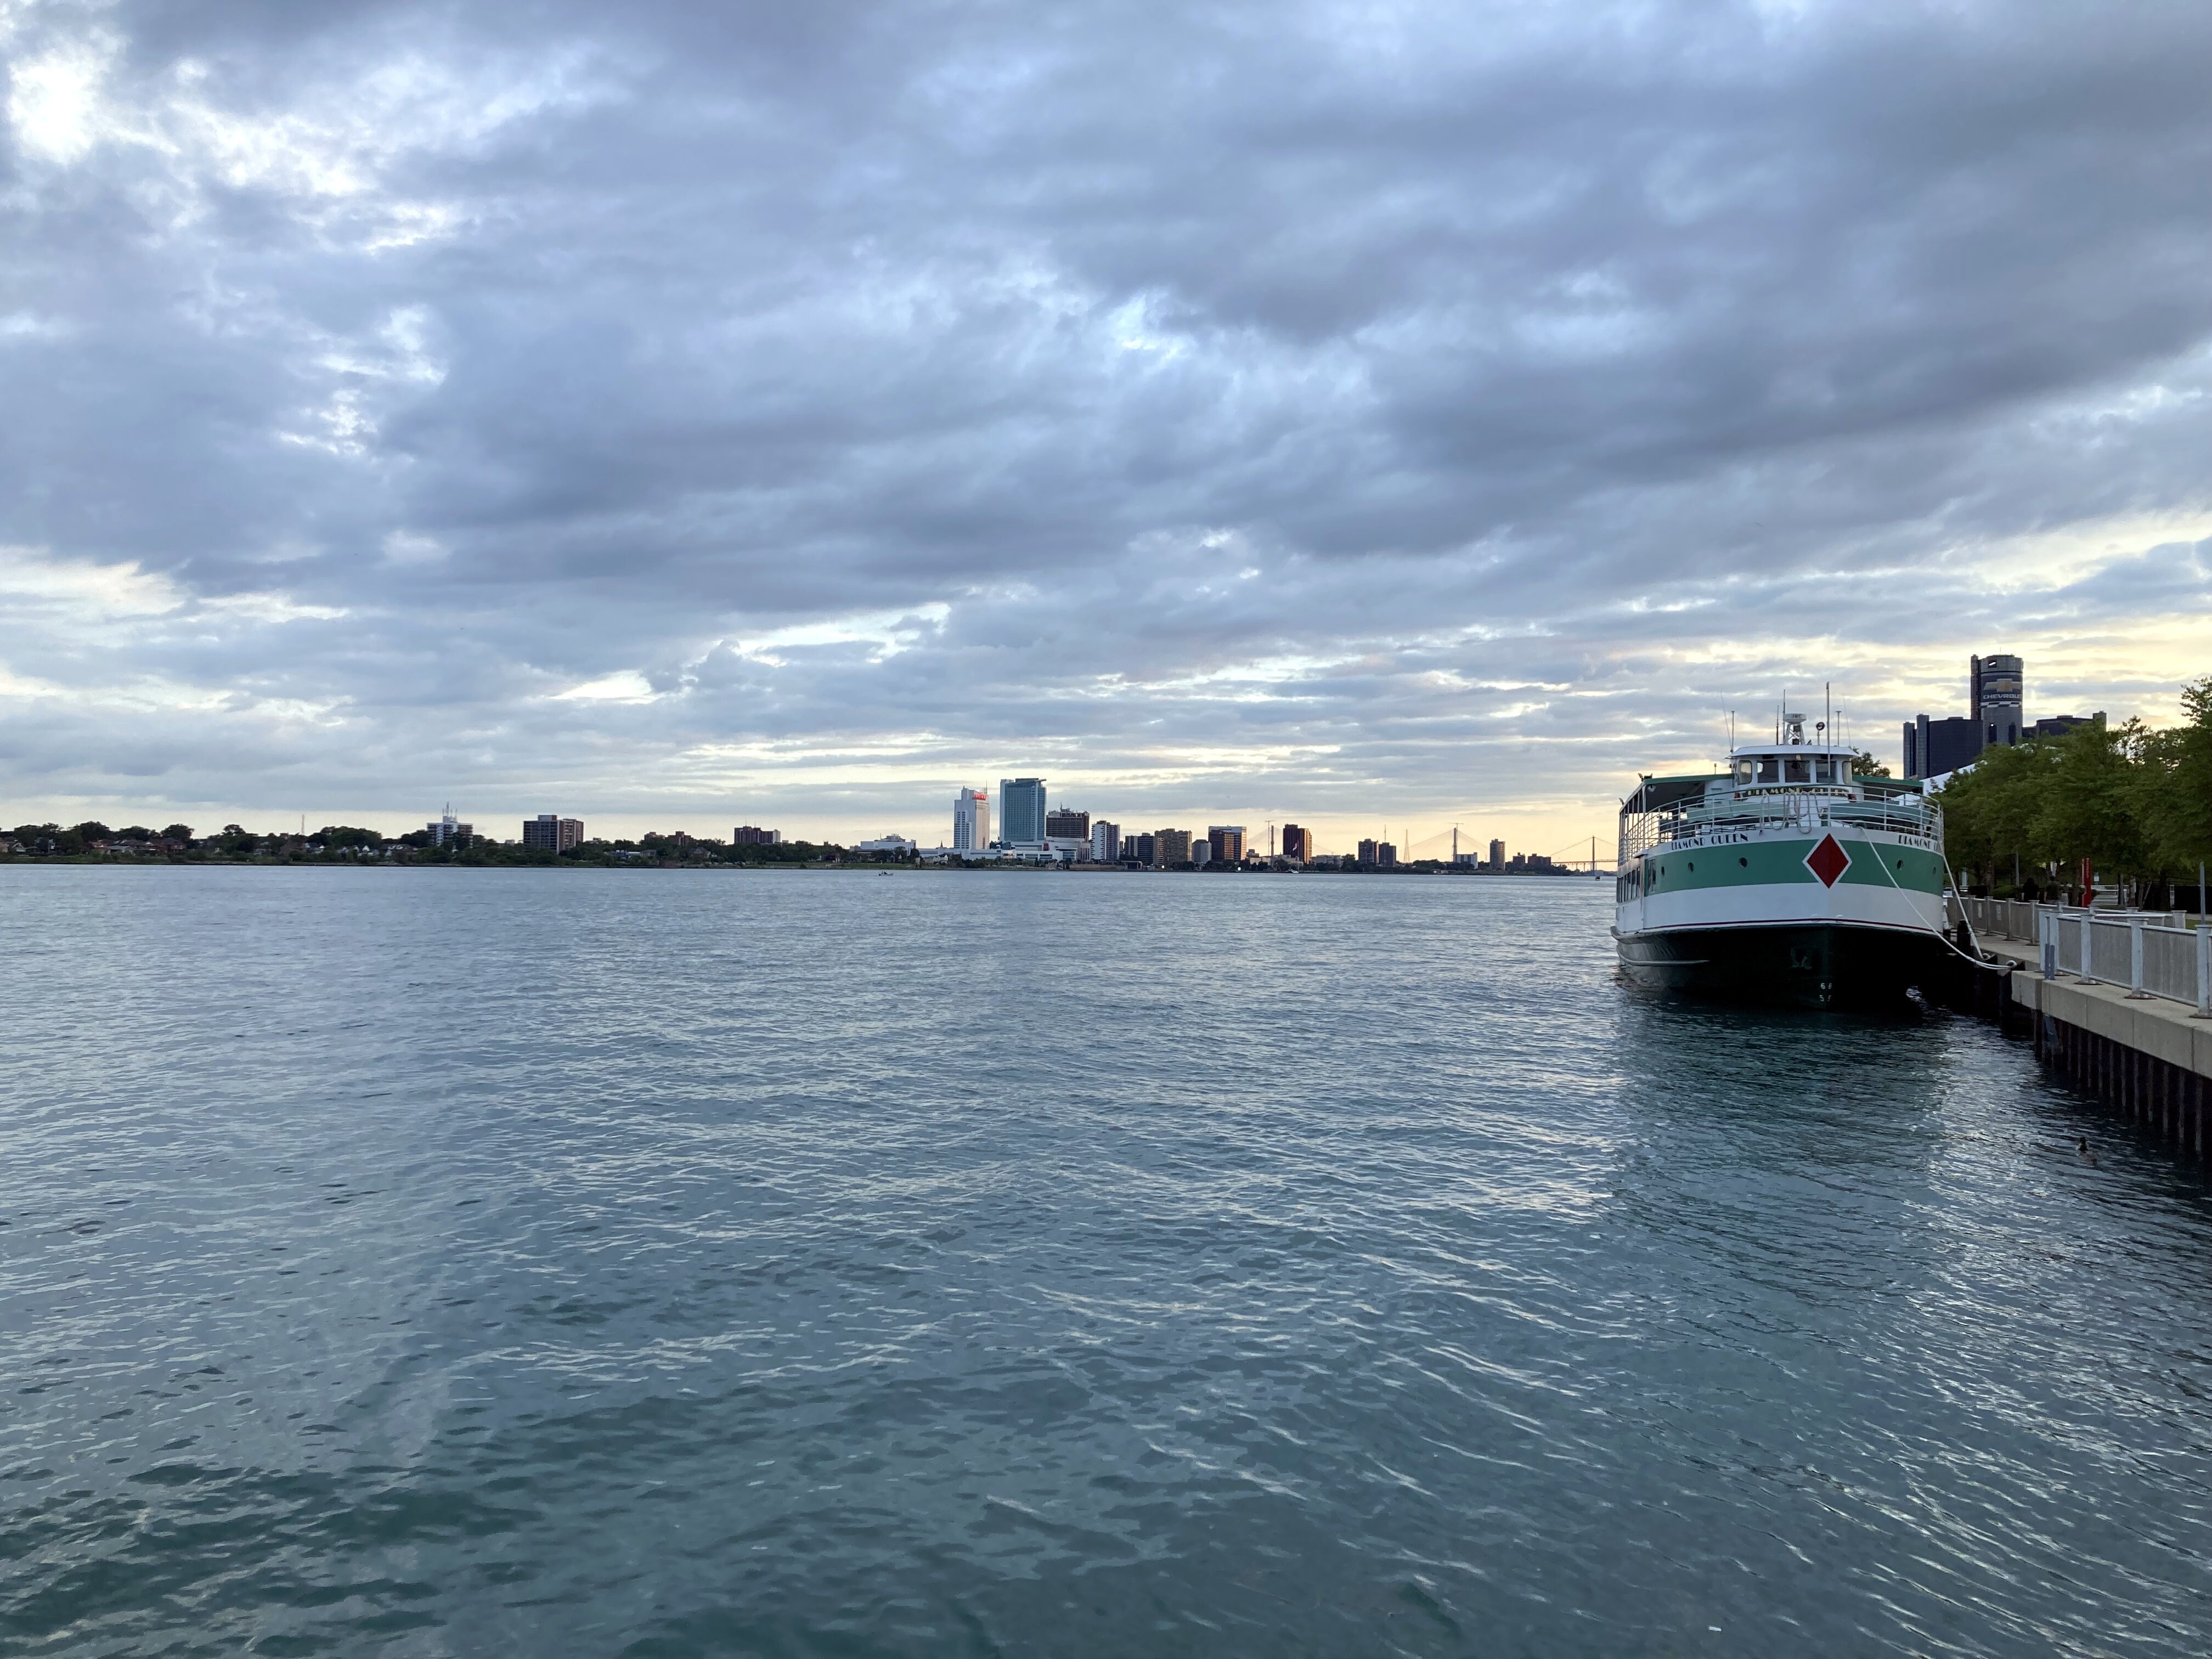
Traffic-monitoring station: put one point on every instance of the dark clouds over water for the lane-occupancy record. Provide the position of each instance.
(1325, 409)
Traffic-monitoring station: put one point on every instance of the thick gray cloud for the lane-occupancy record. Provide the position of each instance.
(1331, 411)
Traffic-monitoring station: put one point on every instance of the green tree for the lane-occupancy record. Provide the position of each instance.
(178, 832)
(2087, 809)
(2173, 788)
(1990, 812)
(1864, 765)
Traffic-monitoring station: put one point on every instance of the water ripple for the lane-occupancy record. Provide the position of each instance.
(434, 1262)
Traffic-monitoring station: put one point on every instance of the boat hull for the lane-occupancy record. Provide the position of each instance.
(1804, 965)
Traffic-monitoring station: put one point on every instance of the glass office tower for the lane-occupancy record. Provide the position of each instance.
(1021, 809)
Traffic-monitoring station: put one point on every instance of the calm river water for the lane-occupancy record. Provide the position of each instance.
(656, 1263)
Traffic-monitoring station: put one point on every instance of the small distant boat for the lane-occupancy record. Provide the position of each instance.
(1784, 878)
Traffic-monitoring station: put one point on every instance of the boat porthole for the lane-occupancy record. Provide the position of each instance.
(1694, 864)
(1745, 862)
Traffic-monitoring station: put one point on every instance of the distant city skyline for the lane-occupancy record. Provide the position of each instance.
(1537, 828)
(1994, 689)
(1539, 823)
(1433, 842)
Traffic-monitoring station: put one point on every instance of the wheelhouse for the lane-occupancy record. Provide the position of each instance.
(1784, 768)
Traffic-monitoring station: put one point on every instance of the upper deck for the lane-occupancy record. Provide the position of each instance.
(1768, 786)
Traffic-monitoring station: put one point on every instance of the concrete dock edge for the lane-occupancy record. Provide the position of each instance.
(2148, 1058)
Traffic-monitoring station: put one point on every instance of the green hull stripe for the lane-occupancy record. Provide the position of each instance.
(1781, 863)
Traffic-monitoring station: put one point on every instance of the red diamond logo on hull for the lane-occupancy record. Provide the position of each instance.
(1828, 860)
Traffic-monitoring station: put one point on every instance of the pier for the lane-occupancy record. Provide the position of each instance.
(2120, 1002)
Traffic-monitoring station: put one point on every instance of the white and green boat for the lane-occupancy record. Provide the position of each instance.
(1784, 878)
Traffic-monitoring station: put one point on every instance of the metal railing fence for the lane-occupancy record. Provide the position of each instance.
(2015, 919)
(2170, 962)
(2111, 955)
(2154, 953)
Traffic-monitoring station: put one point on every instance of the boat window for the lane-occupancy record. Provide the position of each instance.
(1770, 768)
(1824, 770)
(1797, 768)
(1743, 769)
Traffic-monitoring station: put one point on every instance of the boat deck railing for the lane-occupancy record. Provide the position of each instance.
(1810, 809)
(1892, 815)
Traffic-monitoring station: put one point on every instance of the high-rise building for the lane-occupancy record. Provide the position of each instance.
(1140, 849)
(1995, 714)
(1021, 810)
(1105, 841)
(1497, 855)
(747, 834)
(1170, 847)
(1225, 842)
(1061, 823)
(1298, 843)
(549, 832)
(451, 831)
(1385, 854)
(1201, 851)
(1367, 852)
(971, 821)
(2057, 726)
(1996, 688)
(1933, 748)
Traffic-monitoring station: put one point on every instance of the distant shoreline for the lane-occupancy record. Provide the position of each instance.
(724, 867)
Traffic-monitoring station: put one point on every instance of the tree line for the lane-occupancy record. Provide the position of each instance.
(67, 842)
(2132, 801)
(338, 842)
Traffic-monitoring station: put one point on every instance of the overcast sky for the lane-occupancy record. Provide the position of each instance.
(679, 414)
